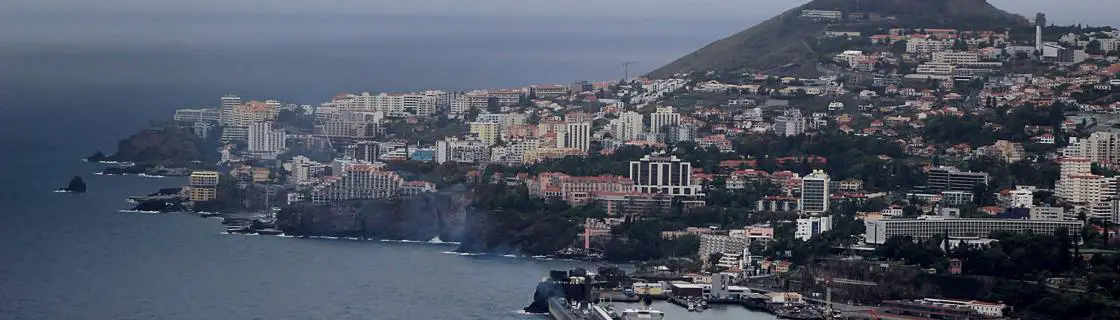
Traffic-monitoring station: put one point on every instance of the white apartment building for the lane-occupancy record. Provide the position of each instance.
(264, 141)
(941, 69)
(198, 115)
(927, 45)
(1022, 198)
(850, 58)
(628, 126)
(1100, 147)
(350, 124)
(789, 124)
(1086, 188)
(814, 192)
(576, 136)
(228, 102)
(663, 174)
(357, 181)
(519, 148)
(1070, 166)
(807, 228)
(715, 243)
(878, 231)
(392, 104)
(463, 151)
(955, 57)
(301, 170)
(822, 15)
(664, 116)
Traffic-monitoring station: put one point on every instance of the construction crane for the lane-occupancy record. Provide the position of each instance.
(626, 70)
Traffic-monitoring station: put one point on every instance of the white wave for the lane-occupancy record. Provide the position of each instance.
(151, 175)
(62, 191)
(137, 211)
(463, 253)
(100, 173)
(512, 256)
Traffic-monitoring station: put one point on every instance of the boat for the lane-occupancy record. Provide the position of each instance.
(798, 312)
(644, 314)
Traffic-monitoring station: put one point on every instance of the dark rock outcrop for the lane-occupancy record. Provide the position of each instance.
(165, 145)
(96, 157)
(76, 185)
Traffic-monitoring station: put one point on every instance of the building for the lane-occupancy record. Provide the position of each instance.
(952, 179)
(357, 181)
(393, 104)
(198, 115)
(714, 243)
(878, 231)
(203, 185)
(955, 57)
(664, 174)
(628, 126)
(463, 151)
(822, 15)
(665, 116)
(548, 91)
(1100, 147)
(945, 308)
(488, 132)
(1022, 198)
(807, 228)
(680, 133)
(814, 192)
(301, 170)
(632, 204)
(789, 124)
(1047, 213)
(576, 136)
(920, 45)
(350, 124)
(1086, 188)
(228, 102)
(940, 69)
(264, 142)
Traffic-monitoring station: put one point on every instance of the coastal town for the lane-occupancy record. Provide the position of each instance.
(931, 172)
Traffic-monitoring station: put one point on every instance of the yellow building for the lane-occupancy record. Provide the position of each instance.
(260, 175)
(204, 178)
(203, 193)
(488, 132)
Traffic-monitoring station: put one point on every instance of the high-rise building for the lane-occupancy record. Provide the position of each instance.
(463, 151)
(664, 174)
(952, 179)
(228, 102)
(1100, 147)
(264, 141)
(203, 185)
(301, 170)
(664, 116)
(577, 136)
(628, 126)
(1070, 166)
(791, 123)
(814, 192)
(807, 228)
(488, 132)
(357, 181)
(350, 124)
(680, 133)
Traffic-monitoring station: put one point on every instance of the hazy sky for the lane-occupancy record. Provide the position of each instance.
(1062, 11)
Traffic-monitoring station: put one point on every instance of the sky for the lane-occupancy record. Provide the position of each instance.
(1064, 11)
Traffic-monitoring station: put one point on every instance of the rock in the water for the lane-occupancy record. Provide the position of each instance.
(76, 185)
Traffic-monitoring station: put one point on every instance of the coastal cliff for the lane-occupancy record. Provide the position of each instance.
(164, 145)
(420, 217)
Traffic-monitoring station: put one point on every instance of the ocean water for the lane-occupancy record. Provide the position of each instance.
(64, 95)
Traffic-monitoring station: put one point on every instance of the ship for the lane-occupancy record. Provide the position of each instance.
(567, 295)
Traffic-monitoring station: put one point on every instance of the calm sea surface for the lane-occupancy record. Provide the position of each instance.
(68, 256)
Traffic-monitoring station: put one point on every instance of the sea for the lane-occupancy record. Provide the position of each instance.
(81, 256)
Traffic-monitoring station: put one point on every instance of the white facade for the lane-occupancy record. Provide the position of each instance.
(228, 102)
(789, 124)
(576, 136)
(1100, 147)
(665, 175)
(665, 116)
(393, 105)
(301, 170)
(955, 57)
(807, 228)
(713, 243)
(926, 45)
(814, 192)
(357, 181)
(628, 126)
(878, 231)
(464, 151)
(264, 141)
(1022, 198)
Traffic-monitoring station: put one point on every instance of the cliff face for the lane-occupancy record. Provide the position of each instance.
(447, 214)
(419, 217)
(160, 145)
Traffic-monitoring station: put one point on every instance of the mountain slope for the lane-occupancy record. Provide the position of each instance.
(787, 38)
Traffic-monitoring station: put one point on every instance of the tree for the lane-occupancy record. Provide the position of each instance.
(1094, 47)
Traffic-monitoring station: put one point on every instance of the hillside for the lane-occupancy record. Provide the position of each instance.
(788, 38)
